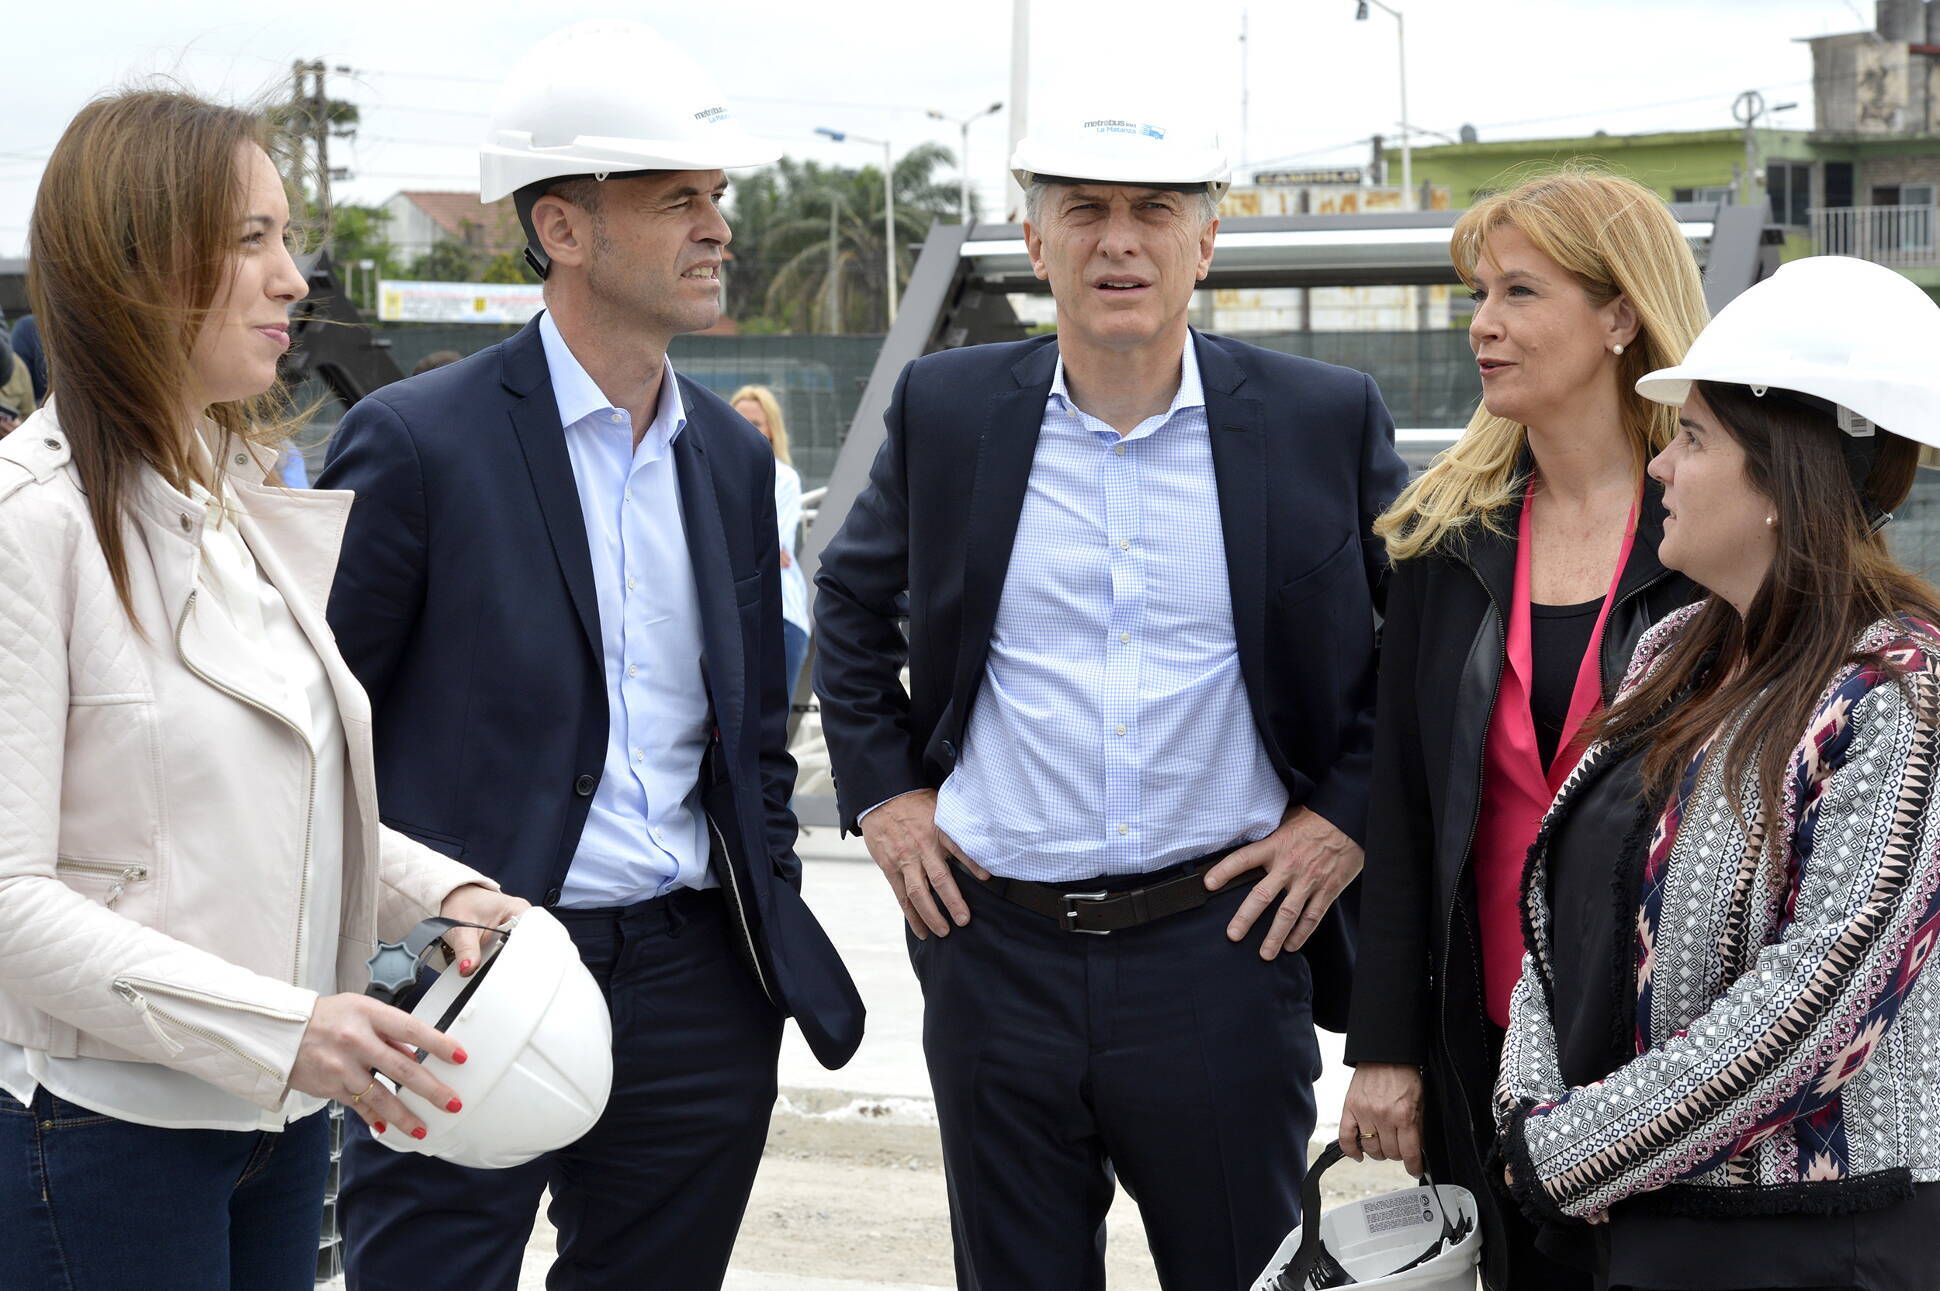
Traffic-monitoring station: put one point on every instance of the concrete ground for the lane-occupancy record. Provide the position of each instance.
(850, 1196)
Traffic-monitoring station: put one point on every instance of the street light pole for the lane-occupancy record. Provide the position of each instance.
(888, 204)
(1401, 44)
(963, 154)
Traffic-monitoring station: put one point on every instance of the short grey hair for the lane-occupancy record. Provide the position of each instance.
(1034, 203)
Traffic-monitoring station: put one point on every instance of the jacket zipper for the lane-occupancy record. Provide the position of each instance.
(129, 990)
(123, 875)
(310, 813)
(741, 910)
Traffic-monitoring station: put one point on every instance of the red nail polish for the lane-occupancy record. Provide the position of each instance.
(418, 1133)
(458, 1055)
(378, 1126)
(453, 1106)
(464, 967)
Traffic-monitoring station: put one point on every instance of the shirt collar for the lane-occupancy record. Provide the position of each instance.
(1192, 394)
(580, 397)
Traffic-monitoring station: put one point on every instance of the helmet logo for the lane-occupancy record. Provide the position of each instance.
(1109, 126)
(711, 115)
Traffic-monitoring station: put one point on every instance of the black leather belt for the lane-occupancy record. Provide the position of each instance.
(1103, 912)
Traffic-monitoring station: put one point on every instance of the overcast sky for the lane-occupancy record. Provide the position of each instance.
(1320, 83)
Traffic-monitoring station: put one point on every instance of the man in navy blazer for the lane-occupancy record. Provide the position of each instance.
(560, 586)
(1141, 595)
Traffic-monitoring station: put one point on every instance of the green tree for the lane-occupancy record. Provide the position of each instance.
(357, 234)
(790, 272)
(447, 262)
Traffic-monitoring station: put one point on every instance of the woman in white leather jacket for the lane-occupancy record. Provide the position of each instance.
(192, 871)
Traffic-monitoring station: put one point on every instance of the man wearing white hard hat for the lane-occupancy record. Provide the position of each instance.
(561, 587)
(1752, 1099)
(1129, 778)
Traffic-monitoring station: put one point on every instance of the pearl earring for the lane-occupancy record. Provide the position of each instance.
(1616, 349)
(1771, 522)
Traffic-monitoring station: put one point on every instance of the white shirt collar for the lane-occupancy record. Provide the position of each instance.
(580, 397)
(1192, 394)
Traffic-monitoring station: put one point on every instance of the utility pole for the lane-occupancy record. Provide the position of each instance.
(310, 115)
(1244, 97)
(835, 278)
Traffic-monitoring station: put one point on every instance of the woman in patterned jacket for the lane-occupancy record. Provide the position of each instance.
(1722, 1052)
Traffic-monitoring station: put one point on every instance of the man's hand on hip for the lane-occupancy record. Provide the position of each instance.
(914, 855)
(1308, 860)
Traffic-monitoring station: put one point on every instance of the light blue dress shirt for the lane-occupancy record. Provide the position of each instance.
(645, 832)
(1112, 733)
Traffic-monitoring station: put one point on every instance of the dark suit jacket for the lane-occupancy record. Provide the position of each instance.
(1304, 460)
(465, 603)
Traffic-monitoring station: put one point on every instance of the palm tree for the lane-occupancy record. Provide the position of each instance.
(808, 249)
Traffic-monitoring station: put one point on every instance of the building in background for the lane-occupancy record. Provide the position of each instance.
(420, 220)
(1864, 181)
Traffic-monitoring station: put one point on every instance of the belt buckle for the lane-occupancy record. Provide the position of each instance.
(1068, 918)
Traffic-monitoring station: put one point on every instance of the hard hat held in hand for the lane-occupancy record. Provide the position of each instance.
(1846, 330)
(1425, 1238)
(539, 1052)
(1130, 149)
(606, 97)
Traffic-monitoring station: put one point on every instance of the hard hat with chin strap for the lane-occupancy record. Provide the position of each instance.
(600, 99)
(1847, 331)
(1137, 149)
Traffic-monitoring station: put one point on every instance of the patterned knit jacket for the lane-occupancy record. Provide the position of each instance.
(1788, 1046)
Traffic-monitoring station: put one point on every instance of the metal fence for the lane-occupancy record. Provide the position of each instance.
(1427, 378)
(1900, 236)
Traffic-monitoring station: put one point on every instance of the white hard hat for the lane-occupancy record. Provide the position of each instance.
(1848, 331)
(1132, 149)
(539, 1052)
(606, 97)
(1425, 1238)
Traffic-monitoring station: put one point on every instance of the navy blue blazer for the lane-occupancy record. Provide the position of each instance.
(465, 603)
(1303, 460)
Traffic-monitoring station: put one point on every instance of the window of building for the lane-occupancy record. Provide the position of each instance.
(1715, 193)
(1789, 185)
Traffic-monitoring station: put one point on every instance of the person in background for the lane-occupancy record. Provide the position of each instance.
(1743, 1089)
(434, 360)
(759, 405)
(1525, 568)
(24, 337)
(17, 400)
(192, 868)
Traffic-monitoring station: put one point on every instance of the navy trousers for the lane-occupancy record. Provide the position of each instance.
(1165, 1056)
(653, 1195)
(92, 1203)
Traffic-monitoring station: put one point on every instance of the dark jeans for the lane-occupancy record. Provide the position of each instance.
(91, 1203)
(794, 649)
(1164, 1057)
(652, 1196)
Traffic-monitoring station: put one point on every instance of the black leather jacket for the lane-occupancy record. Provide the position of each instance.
(1418, 985)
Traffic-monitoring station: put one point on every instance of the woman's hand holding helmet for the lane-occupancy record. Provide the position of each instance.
(483, 906)
(351, 1040)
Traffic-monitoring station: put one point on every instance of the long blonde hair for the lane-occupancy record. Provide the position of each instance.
(1616, 238)
(771, 407)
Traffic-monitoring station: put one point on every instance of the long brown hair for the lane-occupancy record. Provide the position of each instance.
(1833, 577)
(132, 238)
(1615, 238)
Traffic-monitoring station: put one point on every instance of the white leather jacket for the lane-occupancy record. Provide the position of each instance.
(153, 810)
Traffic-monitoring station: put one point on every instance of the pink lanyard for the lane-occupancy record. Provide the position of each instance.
(1520, 724)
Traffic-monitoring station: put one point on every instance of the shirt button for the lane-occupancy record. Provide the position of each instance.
(1124, 638)
(629, 495)
(1124, 829)
(187, 524)
(1121, 728)
(1124, 544)
(613, 416)
(630, 583)
(632, 669)
(639, 755)
(1120, 450)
